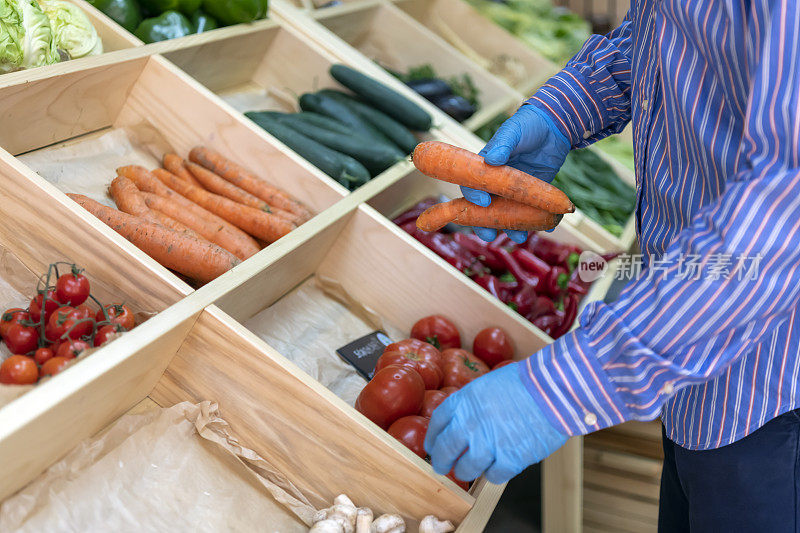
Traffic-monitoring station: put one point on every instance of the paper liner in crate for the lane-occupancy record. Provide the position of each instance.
(309, 323)
(176, 469)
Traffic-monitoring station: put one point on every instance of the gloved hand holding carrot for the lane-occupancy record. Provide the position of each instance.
(517, 197)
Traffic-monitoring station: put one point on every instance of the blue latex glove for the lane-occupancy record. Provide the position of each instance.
(497, 425)
(528, 141)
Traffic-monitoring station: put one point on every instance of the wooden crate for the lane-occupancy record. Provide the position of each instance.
(488, 44)
(396, 41)
(194, 332)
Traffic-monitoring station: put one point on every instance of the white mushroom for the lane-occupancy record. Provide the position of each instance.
(431, 524)
(342, 499)
(363, 520)
(327, 526)
(343, 512)
(388, 523)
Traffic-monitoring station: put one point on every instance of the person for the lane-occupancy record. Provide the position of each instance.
(713, 93)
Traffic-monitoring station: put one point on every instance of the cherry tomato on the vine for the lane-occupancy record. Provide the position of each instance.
(73, 288)
(19, 370)
(21, 339)
(438, 331)
(411, 430)
(107, 333)
(43, 355)
(15, 315)
(394, 392)
(54, 366)
(72, 348)
(50, 305)
(117, 314)
(68, 321)
(492, 345)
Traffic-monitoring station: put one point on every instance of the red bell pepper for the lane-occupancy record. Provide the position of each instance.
(554, 253)
(547, 323)
(556, 282)
(479, 248)
(415, 211)
(447, 249)
(531, 263)
(523, 300)
(512, 266)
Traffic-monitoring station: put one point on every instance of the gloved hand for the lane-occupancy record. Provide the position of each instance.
(497, 426)
(528, 141)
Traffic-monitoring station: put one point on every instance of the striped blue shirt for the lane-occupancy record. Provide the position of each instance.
(712, 88)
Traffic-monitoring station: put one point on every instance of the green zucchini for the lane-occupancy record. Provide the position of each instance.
(325, 105)
(322, 121)
(383, 98)
(377, 157)
(399, 134)
(340, 167)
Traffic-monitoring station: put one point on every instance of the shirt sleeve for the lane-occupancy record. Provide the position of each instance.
(668, 329)
(590, 98)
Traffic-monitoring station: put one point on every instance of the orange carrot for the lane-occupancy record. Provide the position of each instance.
(257, 223)
(176, 165)
(129, 200)
(202, 226)
(502, 213)
(192, 257)
(456, 165)
(227, 235)
(243, 179)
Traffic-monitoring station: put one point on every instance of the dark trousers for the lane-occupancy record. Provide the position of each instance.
(752, 485)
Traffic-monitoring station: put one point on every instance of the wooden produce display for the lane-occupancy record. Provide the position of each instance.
(186, 92)
(396, 41)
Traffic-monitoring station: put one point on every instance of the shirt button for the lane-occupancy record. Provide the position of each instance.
(644, 104)
(590, 419)
(668, 388)
(587, 134)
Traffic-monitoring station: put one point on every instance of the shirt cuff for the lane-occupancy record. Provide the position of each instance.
(575, 107)
(570, 386)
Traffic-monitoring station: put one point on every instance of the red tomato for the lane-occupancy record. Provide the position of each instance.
(73, 288)
(68, 321)
(461, 367)
(107, 333)
(117, 314)
(14, 315)
(84, 311)
(449, 390)
(394, 392)
(21, 339)
(463, 484)
(19, 370)
(43, 355)
(501, 364)
(430, 372)
(437, 330)
(492, 345)
(72, 348)
(51, 305)
(411, 430)
(421, 349)
(432, 400)
(54, 366)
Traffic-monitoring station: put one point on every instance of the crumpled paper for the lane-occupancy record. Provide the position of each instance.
(175, 469)
(87, 165)
(309, 323)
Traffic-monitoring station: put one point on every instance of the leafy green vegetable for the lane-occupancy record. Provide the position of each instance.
(72, 30)
(554, 32)
(38, 44)
(126, 13)
(596, 189)
(12, 33)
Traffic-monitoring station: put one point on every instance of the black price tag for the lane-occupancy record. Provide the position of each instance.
(363, 353)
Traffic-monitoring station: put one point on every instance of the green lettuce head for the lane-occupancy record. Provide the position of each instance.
(12, 33)
(38, 45)
(72, 29)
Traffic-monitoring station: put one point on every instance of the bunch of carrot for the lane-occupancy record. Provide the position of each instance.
(520, 201)
(199, 217)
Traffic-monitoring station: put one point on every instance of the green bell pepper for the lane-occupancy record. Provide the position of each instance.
(229, 12)
(189, 7)
(169, 25)
(202, 22)
(126, 13)
(153, 8)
